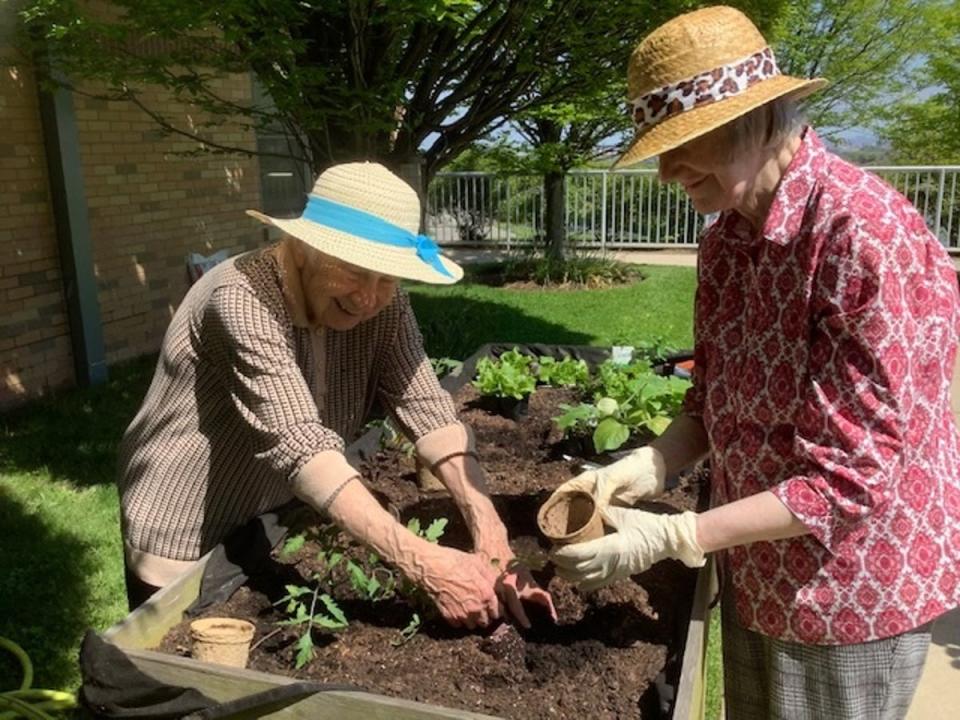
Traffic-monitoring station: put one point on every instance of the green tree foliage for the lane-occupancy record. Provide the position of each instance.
(349, 79)
(863, 47)
(594, 121)
(922, 130)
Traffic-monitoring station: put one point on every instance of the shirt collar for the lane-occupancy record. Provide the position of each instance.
(790, 198)
(795, 189)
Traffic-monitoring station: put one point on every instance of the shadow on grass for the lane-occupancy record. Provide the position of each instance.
(456, 326)
(73, 435)
(44, 595)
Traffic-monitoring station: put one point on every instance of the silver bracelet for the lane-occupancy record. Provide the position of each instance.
(333, 496)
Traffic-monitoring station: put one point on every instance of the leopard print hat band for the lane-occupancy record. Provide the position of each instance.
(707, 87)
(697, 72)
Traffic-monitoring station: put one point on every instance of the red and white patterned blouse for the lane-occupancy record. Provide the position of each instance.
(824, 354)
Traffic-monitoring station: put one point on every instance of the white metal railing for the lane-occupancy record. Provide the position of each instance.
(630, 208)
(935, 191)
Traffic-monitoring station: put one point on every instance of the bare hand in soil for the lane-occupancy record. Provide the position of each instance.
(463, 587)
(515, 587)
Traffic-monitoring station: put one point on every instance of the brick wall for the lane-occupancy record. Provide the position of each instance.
(148, 207)
(34, 338)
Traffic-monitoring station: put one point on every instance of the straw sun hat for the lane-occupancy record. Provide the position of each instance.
(698, 72)
(365, 215)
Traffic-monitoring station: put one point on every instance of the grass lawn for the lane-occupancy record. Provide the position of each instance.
(60, 552)
(456, 319)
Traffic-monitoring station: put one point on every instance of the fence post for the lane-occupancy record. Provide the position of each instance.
(603, 212)
(508, 211)
(940, 192)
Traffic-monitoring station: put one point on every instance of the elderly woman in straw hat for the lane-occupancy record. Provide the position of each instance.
(826, 327)
(272, 361)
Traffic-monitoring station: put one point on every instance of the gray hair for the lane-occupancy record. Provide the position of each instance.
(765, 127)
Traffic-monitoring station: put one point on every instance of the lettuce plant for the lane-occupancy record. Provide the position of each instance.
(567, 372)
(509, 376)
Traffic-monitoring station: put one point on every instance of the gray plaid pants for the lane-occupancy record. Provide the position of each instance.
(769, 679)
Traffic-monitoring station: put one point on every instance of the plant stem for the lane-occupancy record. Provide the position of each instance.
(269, 635)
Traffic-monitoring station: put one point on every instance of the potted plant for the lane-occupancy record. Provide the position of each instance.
(505, 383)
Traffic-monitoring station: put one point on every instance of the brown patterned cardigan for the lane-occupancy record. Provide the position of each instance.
(245, 394)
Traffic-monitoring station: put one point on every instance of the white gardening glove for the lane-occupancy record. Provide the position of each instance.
(641, 539)
(639, 475)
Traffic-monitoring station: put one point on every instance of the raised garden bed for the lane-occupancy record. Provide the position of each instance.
(634, 649)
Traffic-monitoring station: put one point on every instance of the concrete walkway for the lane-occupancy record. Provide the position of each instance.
(938, 695)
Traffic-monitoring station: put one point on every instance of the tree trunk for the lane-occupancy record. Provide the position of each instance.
(410, 169)
(555, 191)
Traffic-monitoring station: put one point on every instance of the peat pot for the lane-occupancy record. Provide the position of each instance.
(146, 626)
(570, 517)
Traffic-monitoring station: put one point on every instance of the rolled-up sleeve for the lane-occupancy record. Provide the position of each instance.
(253, 354)
(408, 388)
(849, 432)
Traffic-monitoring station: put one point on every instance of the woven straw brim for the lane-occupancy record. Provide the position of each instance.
(385, 259)
(691, 124)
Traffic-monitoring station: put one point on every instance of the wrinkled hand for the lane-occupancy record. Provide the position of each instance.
(463, 586)
(516, 586)
(639, 475)
(641, 539)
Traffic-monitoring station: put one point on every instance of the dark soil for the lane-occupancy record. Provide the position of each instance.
(611, 654)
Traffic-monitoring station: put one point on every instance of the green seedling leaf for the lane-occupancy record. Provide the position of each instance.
(575, 415)
(607, 407)
(293, 544)
(610, 434)
(295, 591)
(358, 577)
(291, 622)
(413, 525)
(299, 612)
(331, 605)
(658, 424)
(409, 631)
(435, 530)
(304, 650)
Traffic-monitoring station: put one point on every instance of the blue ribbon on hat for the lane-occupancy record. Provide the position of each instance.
(370, 227)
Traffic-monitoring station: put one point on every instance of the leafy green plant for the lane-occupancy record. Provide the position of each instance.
(392, 438)
(509, 376)
(568, 372)
(314, 605)
(617, 381)
(653, 350)
(330, 555)
(444, 365)
(591, 270)
(414, 594)
(627, 399)
(433, 532)
(412, 628)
